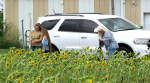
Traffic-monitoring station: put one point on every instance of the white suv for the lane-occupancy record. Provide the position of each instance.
(76, 31)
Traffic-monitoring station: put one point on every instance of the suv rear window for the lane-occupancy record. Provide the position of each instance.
(78, 25)
(49, 24)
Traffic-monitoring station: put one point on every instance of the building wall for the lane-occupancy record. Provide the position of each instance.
(25, 14)
(1, 4)
(71, 6)
(129, 9)
(40, 8)
(145, 14)
(102, 6)
(11, 17)
(117, 7)
(55, 6)
(86, 6)
(132, 10)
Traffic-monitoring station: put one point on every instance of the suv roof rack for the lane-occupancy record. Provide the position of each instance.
(59, 14)
(85, 13)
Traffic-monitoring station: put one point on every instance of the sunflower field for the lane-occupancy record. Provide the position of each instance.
(74, 66)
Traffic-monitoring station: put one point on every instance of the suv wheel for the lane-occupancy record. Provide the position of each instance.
(125, 48)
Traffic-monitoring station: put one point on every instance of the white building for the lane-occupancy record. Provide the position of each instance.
(28, 11)
(1, 5)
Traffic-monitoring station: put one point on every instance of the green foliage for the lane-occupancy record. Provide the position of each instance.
(5, 44)
(5, 41)
(1, 25)
(75, 66)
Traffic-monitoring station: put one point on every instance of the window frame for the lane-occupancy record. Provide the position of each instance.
(53, 25)
(94, 21)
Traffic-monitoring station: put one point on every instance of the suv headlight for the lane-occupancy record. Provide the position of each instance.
(141, 41)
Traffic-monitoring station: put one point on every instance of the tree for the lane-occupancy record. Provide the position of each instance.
(1, 24)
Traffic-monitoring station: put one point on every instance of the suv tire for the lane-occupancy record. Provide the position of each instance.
(54, 48)
(125, 48)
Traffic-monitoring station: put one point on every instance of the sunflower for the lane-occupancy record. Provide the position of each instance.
(17, 51)
(39, 50)
(19, 80)
(91, 81)
(8, 63)
(106, 77)
(38, 80)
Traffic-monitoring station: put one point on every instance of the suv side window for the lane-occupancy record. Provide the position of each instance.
(78, 25)
(70, 25)
(49, 24)
(88, 26)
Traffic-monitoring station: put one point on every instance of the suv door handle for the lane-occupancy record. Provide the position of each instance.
(83, 37)
(56, 36)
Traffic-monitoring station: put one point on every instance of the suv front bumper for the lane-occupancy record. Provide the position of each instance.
(142, 49)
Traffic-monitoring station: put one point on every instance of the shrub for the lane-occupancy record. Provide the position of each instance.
(5, 44)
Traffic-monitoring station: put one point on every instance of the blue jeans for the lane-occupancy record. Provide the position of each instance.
(111, 51)
(36, 47)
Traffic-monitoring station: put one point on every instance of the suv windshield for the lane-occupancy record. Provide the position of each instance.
(117, 24)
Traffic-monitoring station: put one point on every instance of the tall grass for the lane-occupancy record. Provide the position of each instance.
(4, 51)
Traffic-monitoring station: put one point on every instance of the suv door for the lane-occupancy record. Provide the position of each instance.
(87, 36)
(69, 35)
